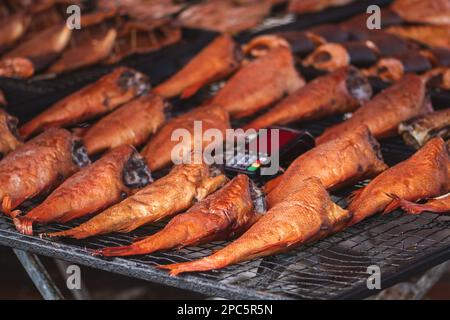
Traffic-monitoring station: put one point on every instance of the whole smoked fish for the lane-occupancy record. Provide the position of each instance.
(401, 102)
(345, 160)
(215, 62)
(339, 92)
(158, 152)
(306, 215)
(221, 216)
(131, 124)
(98, 186)
(259, 84)
(38, 166)
(171, 194)
(104, 95)
(425, 175)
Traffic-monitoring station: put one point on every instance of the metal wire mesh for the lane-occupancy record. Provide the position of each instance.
(331, 268)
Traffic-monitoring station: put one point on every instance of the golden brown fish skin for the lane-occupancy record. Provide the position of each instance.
(38, 166)
(307, 6)
(401, 102)
(20, 68)
(9, 138)
(431, 36)
(260, 83)
(215, 62)
(228, 16)
(96, 187)
(167, 196)
(221, 216)
(13, 28)
(158, 152)
(43, 47)
(439, 78)
(131, 124)
(103, 96)
(331, 94)
(438, 205)
(418, 132)
(358, 155)
(307, 214)
(99, 49)
(425, 175)
(419, 11)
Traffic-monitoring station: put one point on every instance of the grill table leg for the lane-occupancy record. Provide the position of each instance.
(39, 275)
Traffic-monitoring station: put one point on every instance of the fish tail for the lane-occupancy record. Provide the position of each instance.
(121, 251)
(394, 204)
(205, 264)
(24, 225)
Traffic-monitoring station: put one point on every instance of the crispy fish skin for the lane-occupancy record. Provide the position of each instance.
(418, 132)
(358, 155)
(103, 96)
(44, 47)
(158, 152)
(9, 138)
(425, 175)
(307, 214)
(430, 12)
(96, 187)
(341, 91)
(432, 36)
(307, 6)
(13, 28)
(401, 102)
(131, 124)
(38, 166)
(438, 205)
(225, 15)
(260, 83)
(439, 78)
(167, 196)
(99, 49)
(20, 68)
(215, 62)
(221, 216)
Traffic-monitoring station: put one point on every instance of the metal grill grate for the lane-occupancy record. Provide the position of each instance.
(335, 267)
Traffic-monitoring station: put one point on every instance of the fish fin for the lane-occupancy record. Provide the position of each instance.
(394, 204)
(355, 194)
(191, 90)
(7, 205)
(24, 225)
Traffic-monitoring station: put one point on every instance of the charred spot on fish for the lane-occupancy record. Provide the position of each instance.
(258, 198)
(135, 173)
(12, 123)
(215, 171)
(79, 154)
(238, 55)
(167, 110)
(134, 80)
(358, 85)
(443, 132)
(375, 146)
(322, 57)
